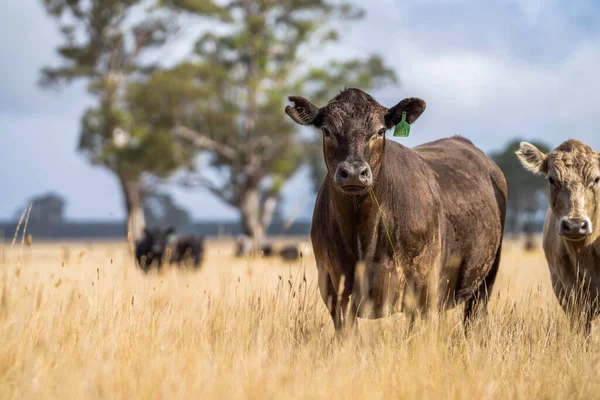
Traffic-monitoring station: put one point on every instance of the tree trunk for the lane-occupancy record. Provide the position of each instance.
(252, 224)
(133, 205)
(256, 215)
(268, 210)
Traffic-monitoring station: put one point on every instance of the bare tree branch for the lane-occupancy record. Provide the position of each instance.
(140, 41)
(82, 16)
(196, 181)
(202, 142)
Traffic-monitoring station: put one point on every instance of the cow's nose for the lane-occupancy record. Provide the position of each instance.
(575, 228)
(353, 174)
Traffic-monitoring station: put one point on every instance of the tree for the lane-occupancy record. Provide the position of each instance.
(103, 42)
(526, 191)
(47, 210)
(246, 70)
(161, 210)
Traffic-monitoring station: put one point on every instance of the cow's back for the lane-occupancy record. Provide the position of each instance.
(473, 194)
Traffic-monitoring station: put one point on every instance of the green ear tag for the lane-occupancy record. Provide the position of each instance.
(403, 128)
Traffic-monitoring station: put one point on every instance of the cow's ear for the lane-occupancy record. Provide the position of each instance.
(413, 106)
(532, 158)
(303, 111)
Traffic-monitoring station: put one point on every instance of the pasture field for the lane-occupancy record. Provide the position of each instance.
(79, 321)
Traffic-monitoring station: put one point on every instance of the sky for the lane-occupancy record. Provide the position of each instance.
(491, 71)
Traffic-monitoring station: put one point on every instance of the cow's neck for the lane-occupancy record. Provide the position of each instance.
(353, 210)
(585, 251)
(361, 217)
(582, 252)
(356, 217)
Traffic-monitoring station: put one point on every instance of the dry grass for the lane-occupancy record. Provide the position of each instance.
(80, 321)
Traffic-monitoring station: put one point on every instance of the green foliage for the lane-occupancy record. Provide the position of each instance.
(98, 40)
(226, 100)
(248, 69)
(102, 43)
(200, 7)
(365, 74)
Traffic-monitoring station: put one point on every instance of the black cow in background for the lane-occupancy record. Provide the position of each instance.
(150, 249)
(159, 245)
(290, 252)
(188, 248)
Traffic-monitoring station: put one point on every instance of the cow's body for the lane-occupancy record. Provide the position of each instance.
(573, 266)
(188, 248)
(443, 206)
(572, 226)
(159, 245)
(150, 248)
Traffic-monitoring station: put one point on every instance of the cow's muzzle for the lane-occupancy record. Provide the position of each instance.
(353, 177)
(575, 229)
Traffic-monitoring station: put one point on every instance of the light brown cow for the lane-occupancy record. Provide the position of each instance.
(572, 228)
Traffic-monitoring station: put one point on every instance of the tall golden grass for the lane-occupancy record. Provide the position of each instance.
(78, 320)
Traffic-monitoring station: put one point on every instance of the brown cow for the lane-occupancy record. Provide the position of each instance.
(571, 230)
(424, 225)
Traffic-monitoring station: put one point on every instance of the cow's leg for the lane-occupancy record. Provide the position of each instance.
(567, 301)
(476, 306)
(144, 264)
(328, 294)
(342, 311)
(580, 319)
(577, 305)
(414, 301)
(345, 316)
(580, 315)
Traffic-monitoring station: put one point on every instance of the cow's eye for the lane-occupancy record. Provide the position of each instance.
(551, 181)
(326, 132)
(597, 180)
(381, 132)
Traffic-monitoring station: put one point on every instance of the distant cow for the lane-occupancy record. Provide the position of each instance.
(424, 225)
(188, 248)
(289, 253)
(572, 227)
(266, 250)
(152, 248)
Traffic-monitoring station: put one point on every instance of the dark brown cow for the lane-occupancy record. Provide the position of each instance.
(424, 225)
(571, 231)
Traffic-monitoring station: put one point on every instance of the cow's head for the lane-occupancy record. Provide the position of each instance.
(157, 239)
(353, 125)
(573, 174)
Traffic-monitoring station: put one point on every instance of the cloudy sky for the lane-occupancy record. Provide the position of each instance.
(490, 70)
